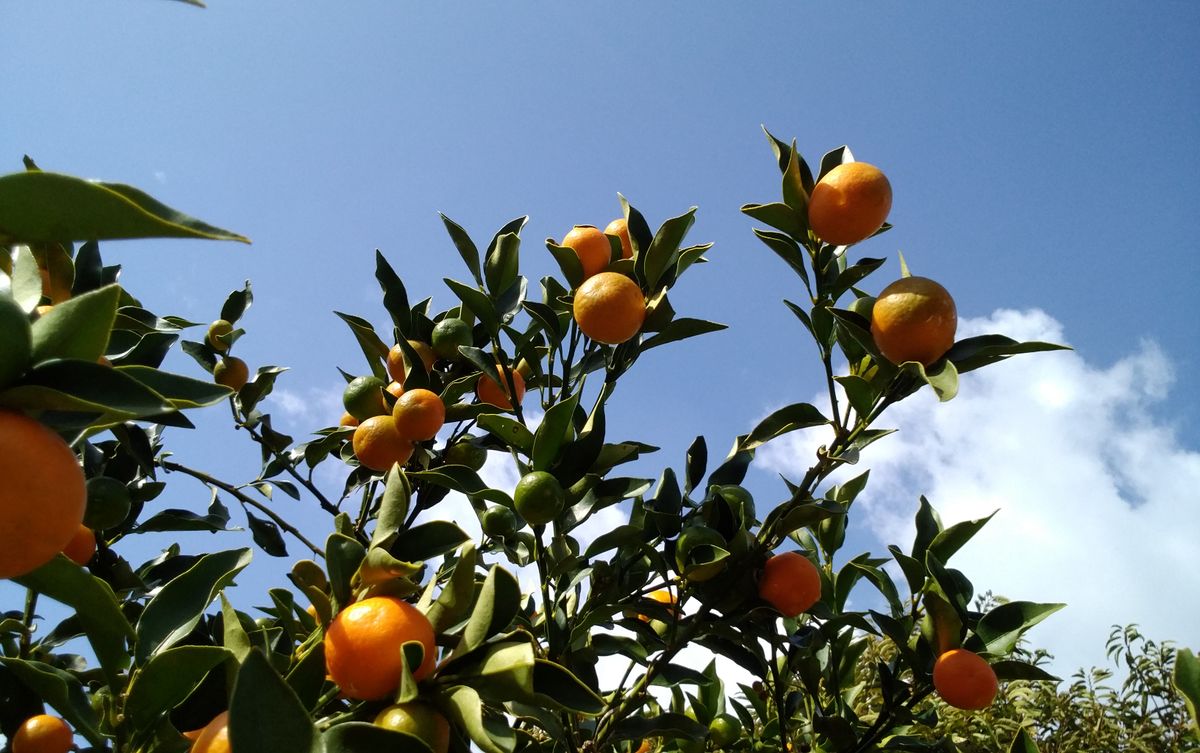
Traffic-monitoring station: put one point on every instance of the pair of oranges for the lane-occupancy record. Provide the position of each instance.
(608, 306)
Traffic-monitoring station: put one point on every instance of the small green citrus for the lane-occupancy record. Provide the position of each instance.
(216, 331)
(108, 503)
(419, 720)
(539, 497)
(724, 729)
(465, 452)
(448, 334)
(498, 521)
(363, 397)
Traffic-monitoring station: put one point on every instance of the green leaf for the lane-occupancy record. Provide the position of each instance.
(928, 525)
(498, 603)
(1001, 628)
(85, 387)
(176, 609)
(379, 566)
(1186, 678)
(77, 328)
(465, 709)
(778, 216)
(833, 158)
(555, 429)
(976, 352)
(235, 638)
(512, 433)
(568, 262)
(343, 556)
(502, 672)
(393, 509)
(789, 250)
(556, 687)
(681, 329)
(949, 541)
(1011, 669)
(372, 347)
(617, 537)
(466, 247)
(95, 606)
(265, 714)
(454, 602)
(661, 254)
(26, 279)
(503, 259)
(428, 540)
(183, 392)
(49, 207)
(794, 193)
(167, 680)
(780, 422)
(267, 535)
(478, 303)
(236, 304)
(664, 725)
(63, 692)
(395, 297)
(1023, 742)
(362, 737)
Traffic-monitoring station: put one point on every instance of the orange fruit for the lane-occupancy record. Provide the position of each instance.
(43, 495)
(214, 738)
(913, 319)
(662, 596)
(348, 420)
(362, 646)
(591, 246)
(395, 389)
(849, 203)
(620, 228)
(82, 546)
(496, 393)
(43, 734)
(964, 679)
(419, 414)
(419, 720)
(377, 444)
(397, 366)
(216, 330)
(790, 583)
(231, 372)
(539, 497)
(609, 308)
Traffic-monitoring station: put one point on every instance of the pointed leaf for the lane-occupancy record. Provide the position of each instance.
(498, 603)
(1002, 627)
(63, 691)
(557, 687)
(167, 680)
(78, 327)
(265, 714)
(466, 247)
(1186, 679)
(780, 422)
(681, 329)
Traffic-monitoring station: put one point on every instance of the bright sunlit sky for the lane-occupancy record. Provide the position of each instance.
(1043, 159)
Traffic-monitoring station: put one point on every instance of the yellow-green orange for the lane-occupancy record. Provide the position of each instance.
(232, 372)
(448, 335)
(363, 397)
(216, 331)
(419, 720)
(498, 521)
(539, 497)
(43, 495)
(913, 319)
(724, 729)
(849, 203)
(465, 452)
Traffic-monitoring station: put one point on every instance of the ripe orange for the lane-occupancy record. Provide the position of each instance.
(216, 330)
(419, 414)
(609, 308)
(214, 738)
(620, 228)
(964, 679)
(850, 203)
(496, 393)
(419, 720)
(591, 246)
(396, 365)
(377, 444)
(43, 495)
(362, 646)
(790, 583)
(82, 546)
(348, 420)
(662, 596)
(913, 319)
(231, 372)
(43, 734)
(395, 389)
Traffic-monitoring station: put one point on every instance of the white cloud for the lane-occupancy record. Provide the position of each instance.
(1097, 496)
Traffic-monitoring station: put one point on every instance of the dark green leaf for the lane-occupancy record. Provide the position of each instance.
(78, 327)
(1003, 626)
(48, 207)
(176, 609)
(511, 432)
(662, 252)
(663, 725)
(555, 429)
(780, 422)
(1011, 669)
(788, 250)
(778, 216)
(466, 247)
(1023, 742)
(361, 737)
(498, 603)
(454, 602)
(267, 535)
(393, 509)
(557, 687)
(479, 305)
(62, 691)
(428, 540)
(343, 556)
(372, 347)
(568, 262)
(236, 304)
(395, 297)
(492, 734)
(681, 329)
(976, 352)
(265, 714)
(500, 267)
(167, 680)
(949, 541)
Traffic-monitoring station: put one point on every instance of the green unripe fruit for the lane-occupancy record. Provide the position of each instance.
(216, 330)
(498, 521)
(539, 497)
(16, 341)
(725, 729)
(466, 453)
(863, 306)
(420, 720)
(448, 334)
(108, 503)
(363, 397)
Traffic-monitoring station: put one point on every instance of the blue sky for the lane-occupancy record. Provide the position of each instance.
(1043, 159)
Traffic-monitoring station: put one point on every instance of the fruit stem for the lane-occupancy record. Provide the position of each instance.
(31, 599)
(170, 465)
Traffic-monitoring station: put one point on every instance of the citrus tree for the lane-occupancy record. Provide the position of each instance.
(402, 633)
